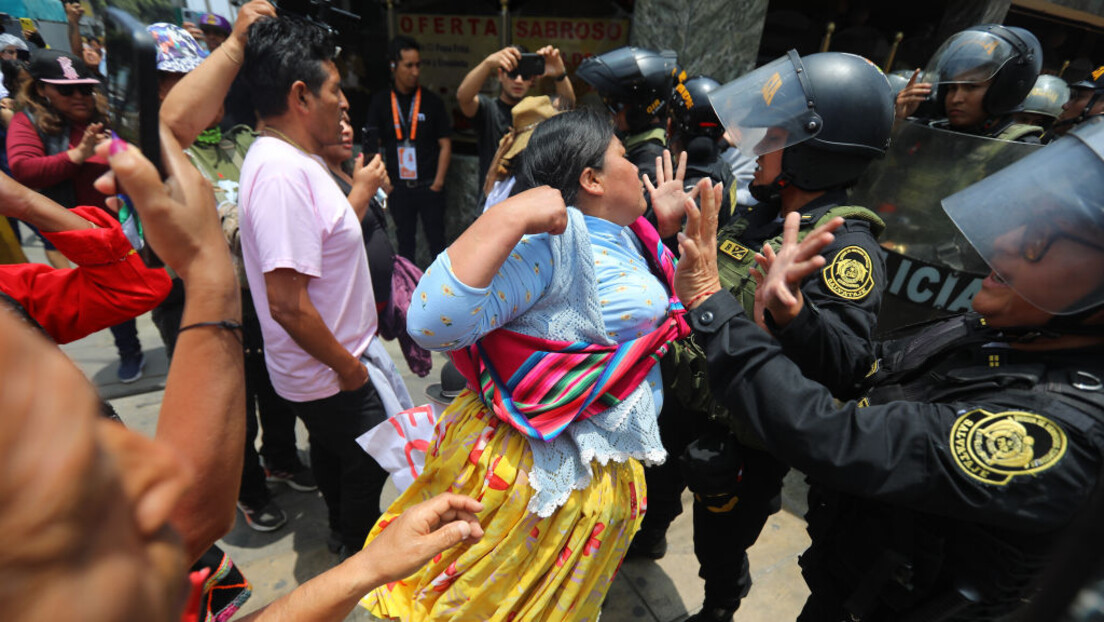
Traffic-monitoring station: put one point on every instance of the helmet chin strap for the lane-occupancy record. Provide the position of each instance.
(772, 192)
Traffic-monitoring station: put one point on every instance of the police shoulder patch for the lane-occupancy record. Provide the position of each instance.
(734, 250)
(995, 447)
(850, 274)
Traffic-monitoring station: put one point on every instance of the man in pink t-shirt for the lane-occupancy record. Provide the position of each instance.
(304, 258)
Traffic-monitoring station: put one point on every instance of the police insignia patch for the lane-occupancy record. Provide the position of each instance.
(850, 275)
(734, 250)
(995, 447)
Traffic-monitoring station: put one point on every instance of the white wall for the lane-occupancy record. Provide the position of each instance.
(222, 7)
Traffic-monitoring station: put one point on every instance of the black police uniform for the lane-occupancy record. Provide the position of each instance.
(939, 508)
(718, 171)
(832, 342)
(643, 147)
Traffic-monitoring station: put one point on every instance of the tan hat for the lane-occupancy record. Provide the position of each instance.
(528, 113)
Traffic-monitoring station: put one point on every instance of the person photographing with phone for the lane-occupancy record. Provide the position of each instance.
(517, 71)
(414, 130)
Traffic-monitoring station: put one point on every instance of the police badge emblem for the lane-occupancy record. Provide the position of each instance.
(995, 447)
(851, 274)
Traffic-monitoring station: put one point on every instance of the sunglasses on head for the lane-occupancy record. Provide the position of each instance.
(66, 90)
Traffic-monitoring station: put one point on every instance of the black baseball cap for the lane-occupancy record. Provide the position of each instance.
(57, 67)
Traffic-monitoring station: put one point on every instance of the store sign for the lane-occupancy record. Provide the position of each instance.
(576, 38)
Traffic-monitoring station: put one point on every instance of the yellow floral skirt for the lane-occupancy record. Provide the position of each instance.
(525, 567)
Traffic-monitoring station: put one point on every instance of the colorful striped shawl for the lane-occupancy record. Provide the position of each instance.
(539, 386)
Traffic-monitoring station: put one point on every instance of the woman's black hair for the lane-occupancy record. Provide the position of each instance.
(281, 52)
(561, 147)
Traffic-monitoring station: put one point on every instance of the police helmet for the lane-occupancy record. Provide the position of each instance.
(1008, 56)
(1047, 97)
(1094, 82)
(1039, 222)
(899, 79)
(832, 112)
(690, 110)
(637, 79)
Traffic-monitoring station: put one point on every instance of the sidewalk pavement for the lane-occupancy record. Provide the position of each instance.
(275, 563)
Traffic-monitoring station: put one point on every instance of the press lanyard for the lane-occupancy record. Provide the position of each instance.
(414, 108)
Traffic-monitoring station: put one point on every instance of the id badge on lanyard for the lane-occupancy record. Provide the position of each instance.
(408, 161)
(408, 156)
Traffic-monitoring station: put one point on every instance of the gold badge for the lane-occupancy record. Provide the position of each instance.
(995, 447)
(771, 87)
(734, 250)
(851, 274)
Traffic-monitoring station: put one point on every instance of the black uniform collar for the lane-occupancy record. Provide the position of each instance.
(763, 220)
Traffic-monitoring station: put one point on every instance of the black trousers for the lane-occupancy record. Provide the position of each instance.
(166, 316)
(276, 416)
(349, 479)
(721, 539)
(405, 205)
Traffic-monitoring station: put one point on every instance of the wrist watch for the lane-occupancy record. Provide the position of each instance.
(560, 78)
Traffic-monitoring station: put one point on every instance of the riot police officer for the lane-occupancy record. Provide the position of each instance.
(1086, 100)
(635, 83)
(694, 129)
(1045, 102)
(976, 80)
(815, 123)
(940, 494)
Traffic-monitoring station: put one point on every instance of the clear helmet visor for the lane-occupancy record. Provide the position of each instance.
(1039, 223)
(768, 109)
(968, 57)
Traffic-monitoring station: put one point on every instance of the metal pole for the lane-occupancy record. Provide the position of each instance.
(827, 41)
(390, 20)
(506, 35)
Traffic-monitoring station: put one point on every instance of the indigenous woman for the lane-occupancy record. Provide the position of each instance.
(556, 305)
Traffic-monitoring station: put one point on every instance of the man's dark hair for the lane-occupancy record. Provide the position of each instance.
(561, 147)
(397, 45)
(281, 52)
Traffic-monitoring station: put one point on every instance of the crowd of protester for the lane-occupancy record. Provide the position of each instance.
(671, 290)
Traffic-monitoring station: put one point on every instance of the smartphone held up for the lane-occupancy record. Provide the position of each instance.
(132, 83)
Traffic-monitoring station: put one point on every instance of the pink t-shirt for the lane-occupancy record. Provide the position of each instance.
(293, 215)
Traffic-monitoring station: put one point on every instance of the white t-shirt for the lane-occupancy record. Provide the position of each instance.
(293, 215)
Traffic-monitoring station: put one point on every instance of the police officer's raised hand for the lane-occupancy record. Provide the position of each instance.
(696, 277)
(669, 194)
(910, 97)
(780, 274)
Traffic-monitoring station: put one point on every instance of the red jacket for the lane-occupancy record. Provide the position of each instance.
(110, 285)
